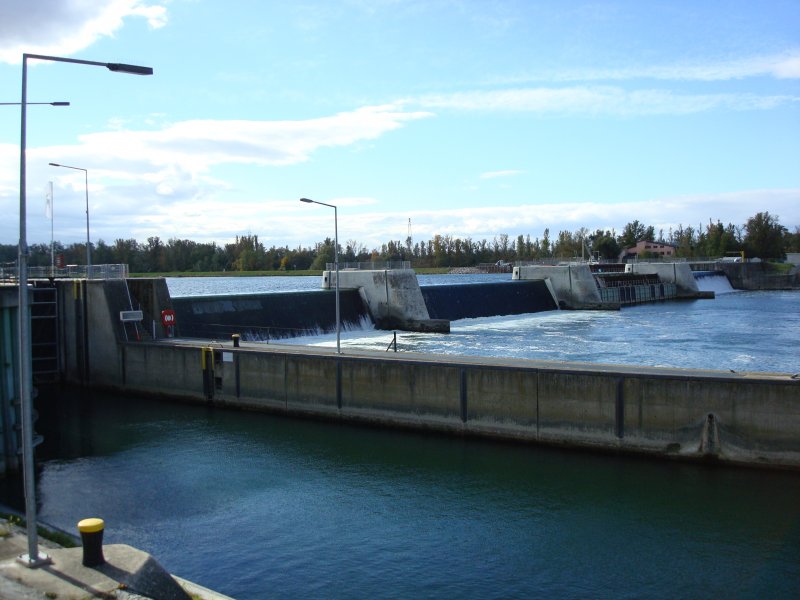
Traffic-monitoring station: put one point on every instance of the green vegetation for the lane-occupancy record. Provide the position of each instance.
(761, 236)
(62, 538)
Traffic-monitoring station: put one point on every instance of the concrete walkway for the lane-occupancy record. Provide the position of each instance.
(128, 574)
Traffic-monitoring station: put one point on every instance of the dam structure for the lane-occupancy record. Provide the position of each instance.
(585, 286)
(390, 299)
(115, 335)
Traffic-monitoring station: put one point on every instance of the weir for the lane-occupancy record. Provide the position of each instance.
(264, 317)
(470, 301)
(713, 281)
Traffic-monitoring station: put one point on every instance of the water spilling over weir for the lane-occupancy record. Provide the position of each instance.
(262, 317)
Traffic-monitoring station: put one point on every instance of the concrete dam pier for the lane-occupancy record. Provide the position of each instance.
(581, 286)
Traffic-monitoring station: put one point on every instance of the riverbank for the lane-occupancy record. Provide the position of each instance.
(127, 573)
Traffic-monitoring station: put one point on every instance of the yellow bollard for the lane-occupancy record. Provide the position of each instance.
(92, 538)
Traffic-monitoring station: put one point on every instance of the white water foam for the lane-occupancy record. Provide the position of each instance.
(713, 281)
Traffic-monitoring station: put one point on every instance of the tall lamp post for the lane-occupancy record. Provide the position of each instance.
(88, 242)
(33, 558)
(336, 264)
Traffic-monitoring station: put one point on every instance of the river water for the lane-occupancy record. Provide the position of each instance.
(260, 506)
(743, 331)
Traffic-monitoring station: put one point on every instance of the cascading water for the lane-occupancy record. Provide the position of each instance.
(713, 281)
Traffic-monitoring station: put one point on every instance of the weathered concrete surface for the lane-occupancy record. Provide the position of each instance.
(759, 276)
(128, 573)
(573, 286)
(392, 297)
(735, 417)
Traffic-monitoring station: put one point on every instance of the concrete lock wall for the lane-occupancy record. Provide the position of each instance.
(741, 418)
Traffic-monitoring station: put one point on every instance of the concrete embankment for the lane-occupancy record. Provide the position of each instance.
(760, 276)
(738, 418)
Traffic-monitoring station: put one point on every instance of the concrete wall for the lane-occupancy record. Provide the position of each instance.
(9, 379)
(759, 276)
(392, 296)
(741, 418)
(90, 325)
(573, 285)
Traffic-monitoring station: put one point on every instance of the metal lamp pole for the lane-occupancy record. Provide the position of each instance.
(33, 558)
(336, 264)
(88, 242)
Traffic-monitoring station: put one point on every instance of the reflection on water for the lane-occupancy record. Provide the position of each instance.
(261, 506)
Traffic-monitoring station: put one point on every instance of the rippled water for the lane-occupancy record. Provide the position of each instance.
(743, 331)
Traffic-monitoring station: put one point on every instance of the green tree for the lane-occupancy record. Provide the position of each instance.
(764, 236)
(635, 232)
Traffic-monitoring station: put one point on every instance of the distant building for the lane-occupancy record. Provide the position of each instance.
(648, 249)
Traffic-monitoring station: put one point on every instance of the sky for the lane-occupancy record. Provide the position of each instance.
(452, 117)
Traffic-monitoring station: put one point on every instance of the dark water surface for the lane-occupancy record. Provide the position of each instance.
(258, 506)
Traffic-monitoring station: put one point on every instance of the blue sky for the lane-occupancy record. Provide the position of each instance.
(471, 119)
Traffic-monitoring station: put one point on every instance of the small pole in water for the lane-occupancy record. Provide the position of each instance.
(393, 342)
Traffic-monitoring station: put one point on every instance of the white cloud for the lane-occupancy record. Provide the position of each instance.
(64, 27)
(778, 66)
(197, 145)
(600, 100)
(155, 177)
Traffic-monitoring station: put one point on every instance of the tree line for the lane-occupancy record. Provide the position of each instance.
(761, 236)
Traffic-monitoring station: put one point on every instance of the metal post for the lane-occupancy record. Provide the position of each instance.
(33, 558)
(88, 242)
(336, 263)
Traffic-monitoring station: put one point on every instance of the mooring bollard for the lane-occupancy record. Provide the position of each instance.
(92, 539)
(235, 337)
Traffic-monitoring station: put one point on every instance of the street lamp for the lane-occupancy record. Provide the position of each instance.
(336, 264)
(88, 243)
(33, 558)
(29, 103)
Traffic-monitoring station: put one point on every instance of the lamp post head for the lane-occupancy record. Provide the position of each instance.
(308, 200)
(59, 104)
(130, 69)
(54, 164)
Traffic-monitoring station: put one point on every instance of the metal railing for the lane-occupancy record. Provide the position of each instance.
(68, 272)
(370, 266)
